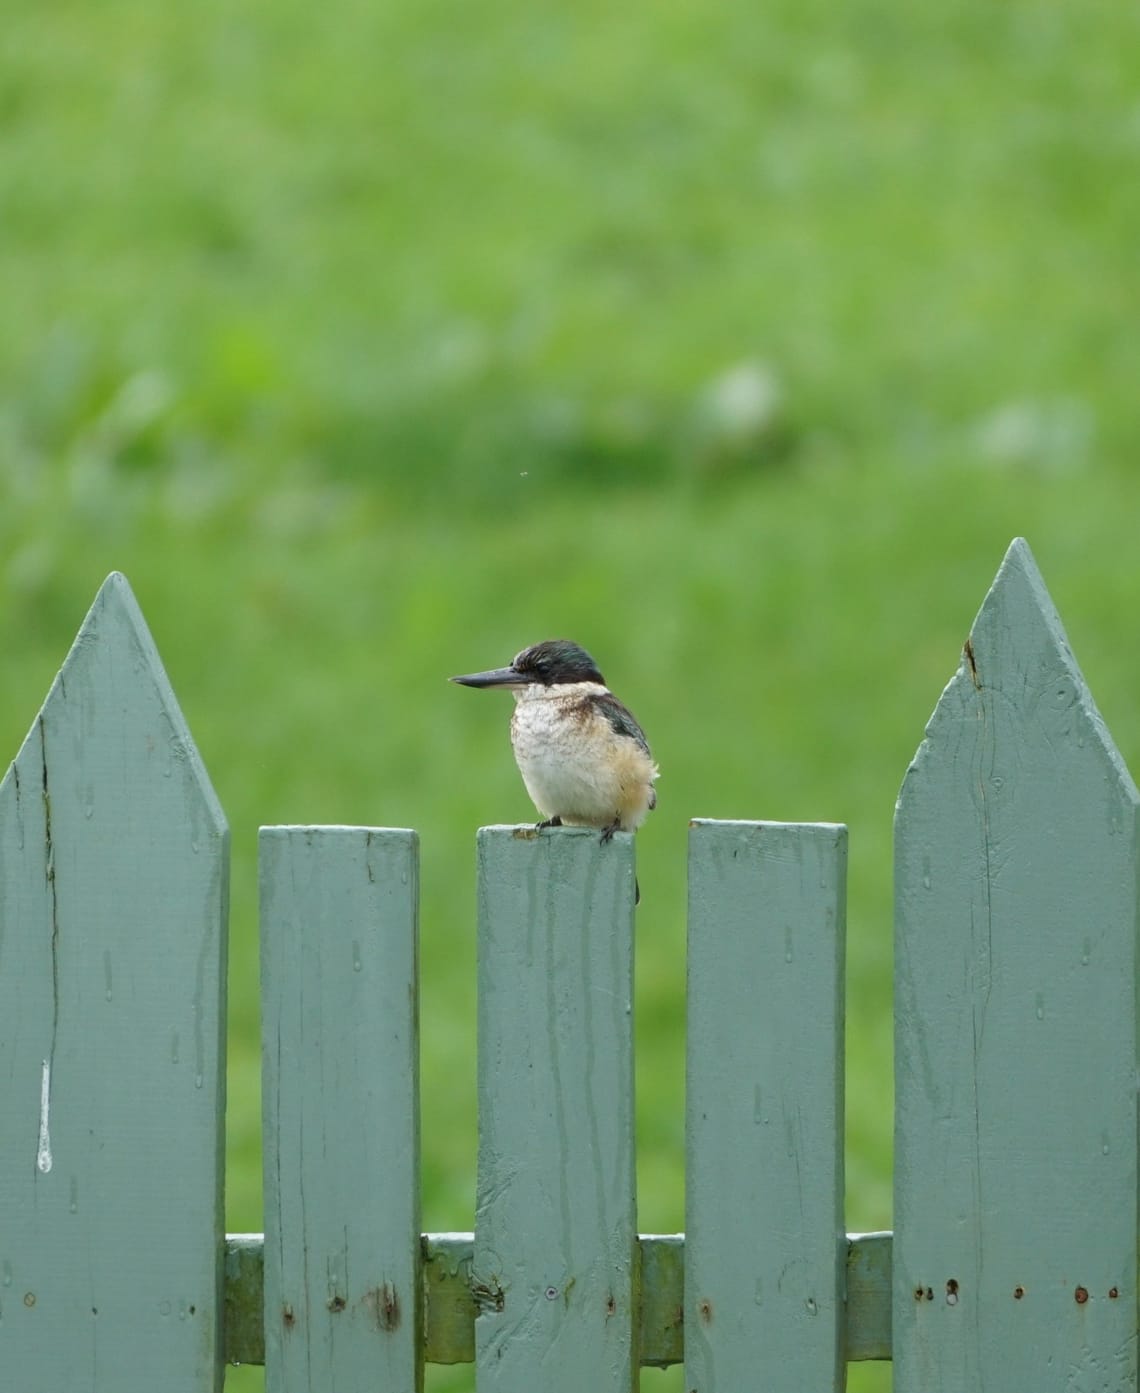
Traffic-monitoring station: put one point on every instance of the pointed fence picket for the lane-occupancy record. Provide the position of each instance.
(1015, 1007)
(1014, 1256)
(113, 889)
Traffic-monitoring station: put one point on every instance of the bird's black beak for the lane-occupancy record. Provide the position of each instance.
(496, 677)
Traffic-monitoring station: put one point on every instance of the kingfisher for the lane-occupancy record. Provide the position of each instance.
(583, 757)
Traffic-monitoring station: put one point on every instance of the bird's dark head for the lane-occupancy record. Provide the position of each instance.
(547, 664)
(557, 660)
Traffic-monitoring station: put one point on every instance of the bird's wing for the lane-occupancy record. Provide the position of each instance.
(622, 720)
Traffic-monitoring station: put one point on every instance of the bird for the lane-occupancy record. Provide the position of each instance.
(583, 757)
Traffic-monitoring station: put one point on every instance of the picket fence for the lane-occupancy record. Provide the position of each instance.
(1013, 1263)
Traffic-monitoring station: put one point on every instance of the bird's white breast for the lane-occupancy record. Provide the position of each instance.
(574, 764)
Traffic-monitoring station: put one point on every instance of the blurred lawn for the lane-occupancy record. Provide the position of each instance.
(375, 342)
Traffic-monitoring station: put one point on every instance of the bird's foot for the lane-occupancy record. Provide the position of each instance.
(608, 836)
(546, 822)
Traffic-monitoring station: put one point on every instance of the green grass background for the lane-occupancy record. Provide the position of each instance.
(373, 342)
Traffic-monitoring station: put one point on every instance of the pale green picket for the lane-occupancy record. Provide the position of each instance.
(555, 1266)
(1015, 1258)
(340, 1051)
(765, 1247)
(113, 889)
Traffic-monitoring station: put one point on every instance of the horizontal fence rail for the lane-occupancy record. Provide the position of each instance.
(450, 1305)
(1013, 1262)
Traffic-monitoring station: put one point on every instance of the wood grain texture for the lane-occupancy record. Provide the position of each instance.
(555, 1270)
(1015, 960)
(765, 1256)
(340, 991)
(113, 900)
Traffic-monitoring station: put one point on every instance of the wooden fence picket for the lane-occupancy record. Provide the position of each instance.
(1015, 1256)
(555, 1270)
(113, 897)
(765, 1247)
(340, 1070)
